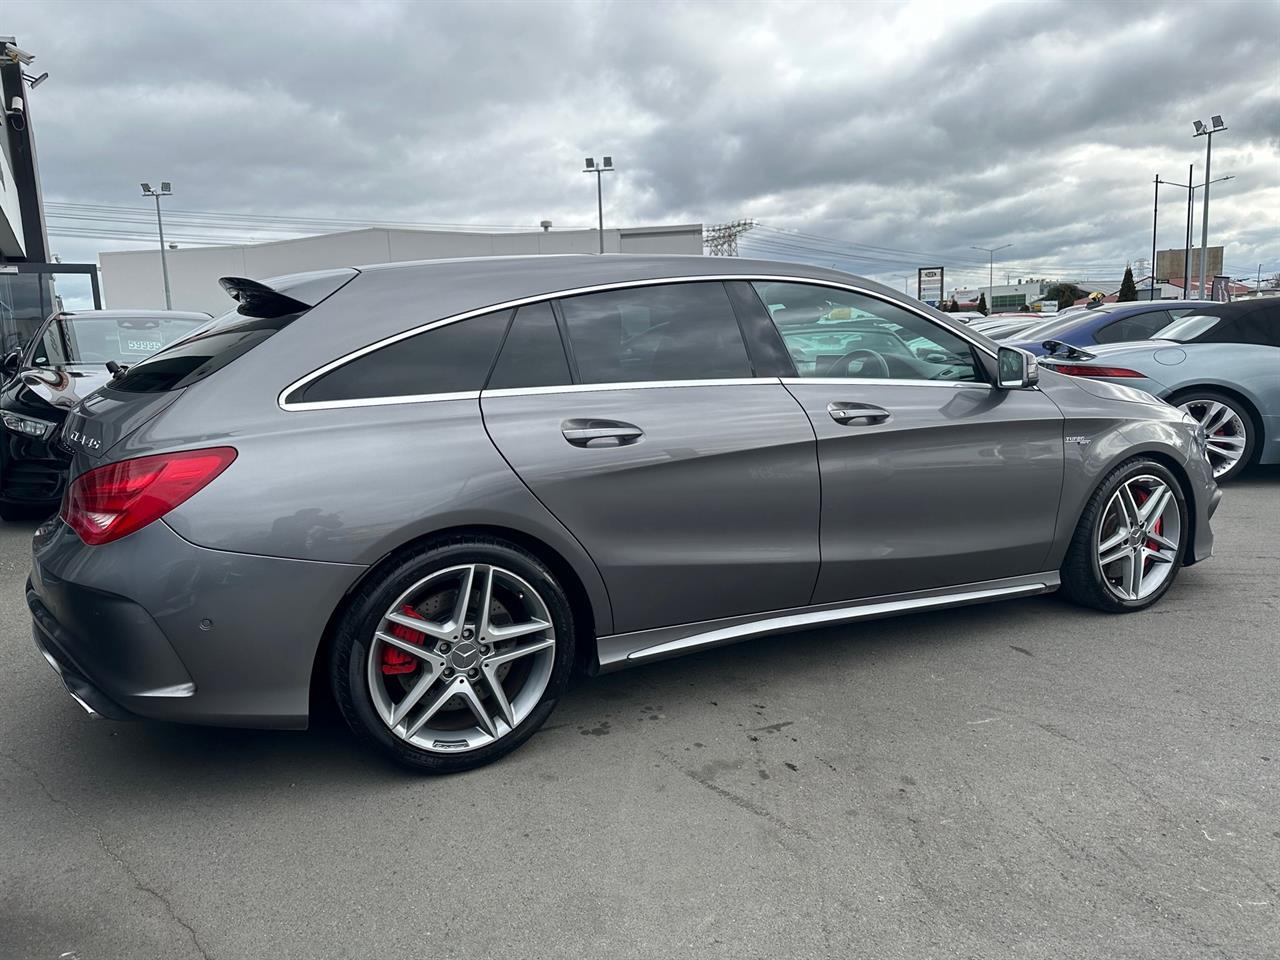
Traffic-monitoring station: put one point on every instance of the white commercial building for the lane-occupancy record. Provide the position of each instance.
(132, 278)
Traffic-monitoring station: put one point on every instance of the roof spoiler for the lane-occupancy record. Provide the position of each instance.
(1066, 350)
(259, 300)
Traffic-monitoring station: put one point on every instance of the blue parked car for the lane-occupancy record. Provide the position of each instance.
(1108, 323)
(1219, 363)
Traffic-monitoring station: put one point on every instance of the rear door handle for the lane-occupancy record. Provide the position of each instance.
(856, 414)
(600, 433)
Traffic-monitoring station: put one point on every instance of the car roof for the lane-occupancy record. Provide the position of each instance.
(612, 267)
(139, 314)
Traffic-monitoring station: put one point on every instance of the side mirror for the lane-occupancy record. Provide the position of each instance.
(11, 364)
(1016, 369)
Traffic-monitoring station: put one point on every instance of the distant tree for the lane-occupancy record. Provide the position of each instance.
(1128, 291)
(982, 304)
(1065, 293)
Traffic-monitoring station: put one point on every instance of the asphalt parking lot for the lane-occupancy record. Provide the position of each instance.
(1025, 779)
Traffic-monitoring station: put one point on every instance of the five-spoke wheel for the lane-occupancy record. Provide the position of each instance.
(457, 656)
(461, 657)
(1130, 541)
(1139, 537)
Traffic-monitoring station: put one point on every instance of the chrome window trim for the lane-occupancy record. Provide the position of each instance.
(381, 401)
(626, 385)
(288, 405)
(884, 381)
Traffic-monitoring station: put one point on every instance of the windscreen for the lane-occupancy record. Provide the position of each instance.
(87, 338)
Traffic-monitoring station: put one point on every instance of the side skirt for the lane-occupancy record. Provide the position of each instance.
(643, 646)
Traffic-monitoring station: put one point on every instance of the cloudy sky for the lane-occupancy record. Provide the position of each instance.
(889, 135)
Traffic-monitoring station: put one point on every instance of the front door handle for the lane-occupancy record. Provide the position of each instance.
(857, 414)
(600, 433)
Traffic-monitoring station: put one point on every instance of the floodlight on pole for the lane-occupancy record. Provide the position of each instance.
(605, 166)
(1203, 131)
(166, 190)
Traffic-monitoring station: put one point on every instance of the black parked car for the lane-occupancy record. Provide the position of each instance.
(67, 359)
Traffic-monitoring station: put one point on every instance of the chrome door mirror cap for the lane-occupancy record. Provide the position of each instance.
(1016, 369)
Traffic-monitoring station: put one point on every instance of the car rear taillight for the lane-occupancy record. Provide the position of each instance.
(1081, 370)
(111, 502)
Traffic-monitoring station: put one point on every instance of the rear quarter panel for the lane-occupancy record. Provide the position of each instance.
(1247, 369)
(352, 485)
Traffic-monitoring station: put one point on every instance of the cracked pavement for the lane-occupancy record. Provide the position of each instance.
(1022, 779)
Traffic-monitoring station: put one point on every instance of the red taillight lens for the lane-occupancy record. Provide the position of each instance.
(1081, 370)
(111, 502)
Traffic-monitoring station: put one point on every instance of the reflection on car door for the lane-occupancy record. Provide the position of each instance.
(925, 482)
(959, 484)
(693, 485)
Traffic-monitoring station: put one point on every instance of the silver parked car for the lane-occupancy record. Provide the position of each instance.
(1219, 362)
(445, 487)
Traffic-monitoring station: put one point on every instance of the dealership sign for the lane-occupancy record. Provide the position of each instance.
(929, 285)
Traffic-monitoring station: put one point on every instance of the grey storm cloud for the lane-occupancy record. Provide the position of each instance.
(921, 127)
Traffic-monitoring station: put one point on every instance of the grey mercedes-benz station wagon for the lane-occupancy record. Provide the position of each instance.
(445, 487)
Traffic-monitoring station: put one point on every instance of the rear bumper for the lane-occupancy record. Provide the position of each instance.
(153, 626)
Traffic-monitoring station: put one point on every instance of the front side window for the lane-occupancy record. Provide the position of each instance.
(838, 333)
(679, 331)
(455, 358)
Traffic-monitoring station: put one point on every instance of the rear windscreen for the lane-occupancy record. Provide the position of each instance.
(207, 351)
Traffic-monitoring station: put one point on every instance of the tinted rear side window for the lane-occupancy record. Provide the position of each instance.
(533, 354)
(1137, 327)
(191, 360)
(455, 358)
(684, 331)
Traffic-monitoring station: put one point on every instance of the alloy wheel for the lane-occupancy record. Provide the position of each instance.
(1139, 537)
(461, 658)
(1226, 434)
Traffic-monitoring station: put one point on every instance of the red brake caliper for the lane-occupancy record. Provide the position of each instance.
(395, 660)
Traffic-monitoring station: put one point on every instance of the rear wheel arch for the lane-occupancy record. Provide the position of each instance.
(1255, 415)
(579, 599)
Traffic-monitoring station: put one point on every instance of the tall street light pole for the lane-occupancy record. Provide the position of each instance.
(605, 166)
(1191, 189)
(166, 190)
(1207, 133)
(1155, 213)
(991, 265)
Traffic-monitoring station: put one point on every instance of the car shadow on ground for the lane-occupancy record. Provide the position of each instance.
(152, 762)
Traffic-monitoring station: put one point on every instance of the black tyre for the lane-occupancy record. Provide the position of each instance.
(453, 655)
(1228, 426)
(1130, 541)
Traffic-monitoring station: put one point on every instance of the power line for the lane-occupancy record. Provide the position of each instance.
(131, 212)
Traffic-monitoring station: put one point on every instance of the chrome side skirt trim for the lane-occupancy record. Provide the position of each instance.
(624, 650)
